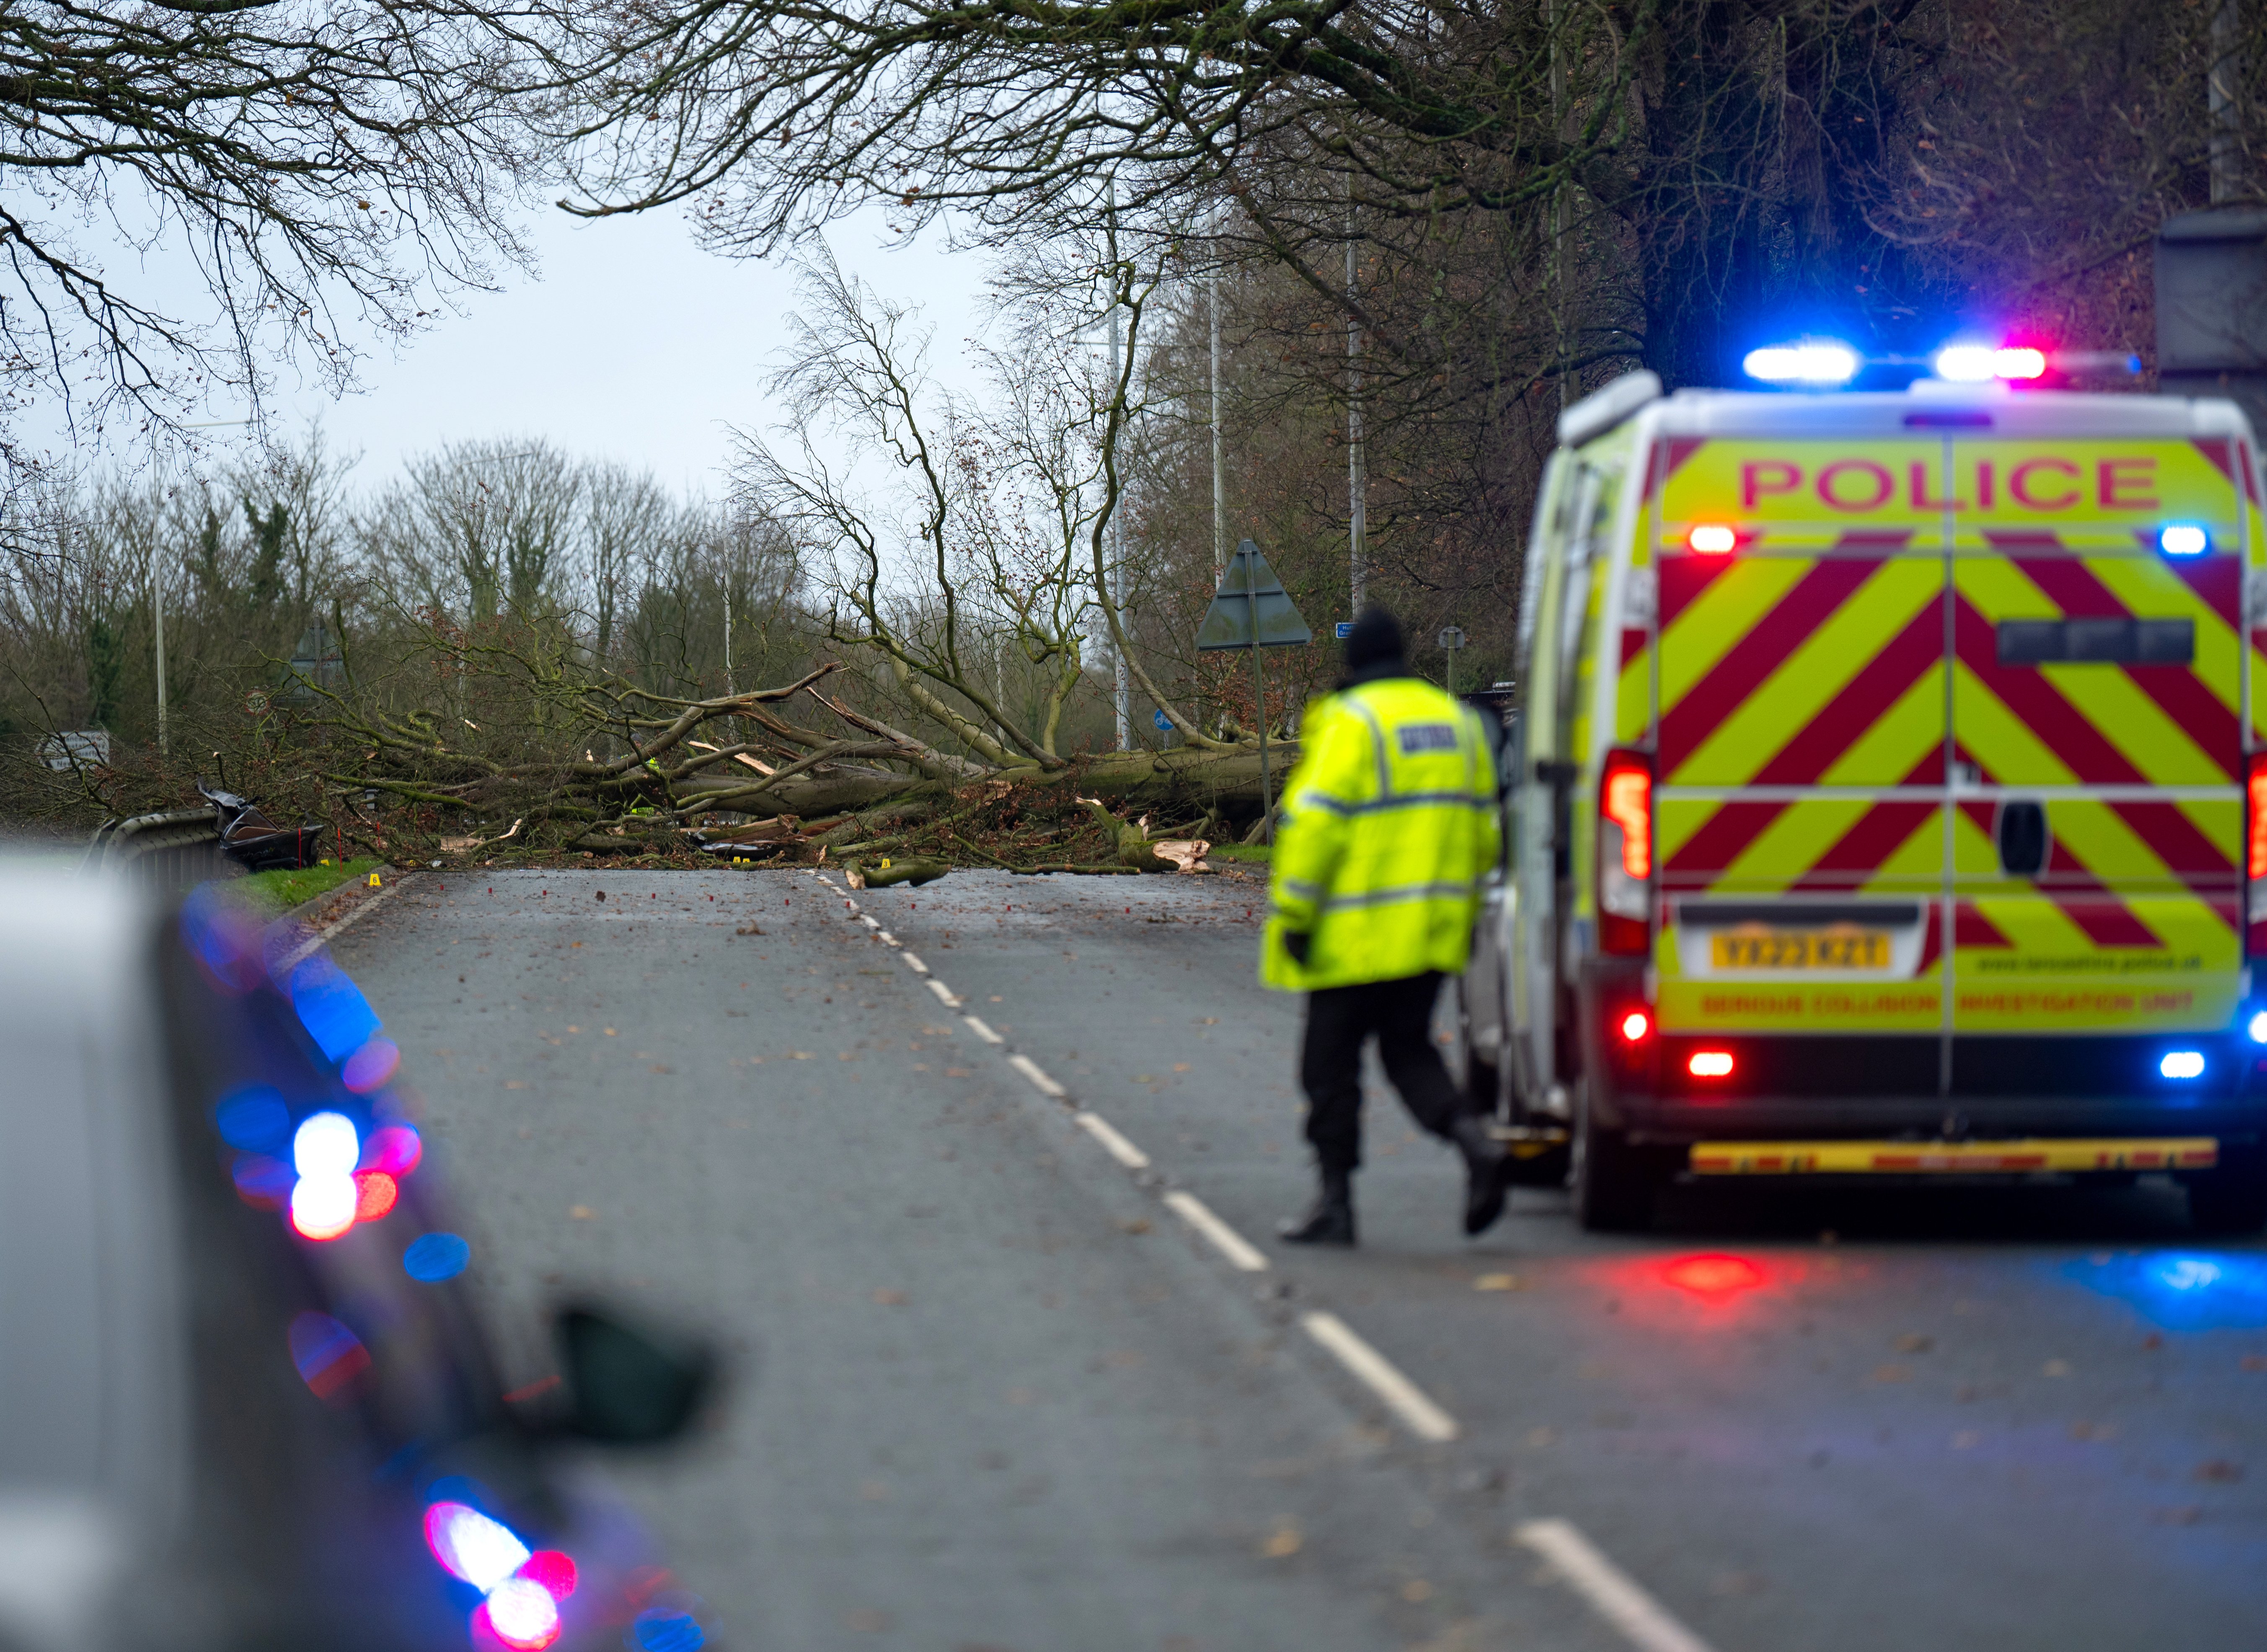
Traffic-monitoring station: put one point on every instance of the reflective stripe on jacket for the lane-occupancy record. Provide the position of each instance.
(1389, 822)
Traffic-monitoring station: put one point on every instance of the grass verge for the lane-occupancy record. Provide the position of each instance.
(274, 892)
(1251, 854)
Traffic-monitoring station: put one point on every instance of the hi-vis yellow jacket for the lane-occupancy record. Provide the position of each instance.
(1389, 822)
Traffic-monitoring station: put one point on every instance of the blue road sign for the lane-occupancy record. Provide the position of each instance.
(1165, 723)
(1345, 629)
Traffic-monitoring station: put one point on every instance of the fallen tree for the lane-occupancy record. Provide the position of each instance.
(513, 731)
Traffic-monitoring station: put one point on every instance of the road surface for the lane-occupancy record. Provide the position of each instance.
(997, 1390)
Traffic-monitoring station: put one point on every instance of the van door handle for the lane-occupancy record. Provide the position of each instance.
(2022, 836)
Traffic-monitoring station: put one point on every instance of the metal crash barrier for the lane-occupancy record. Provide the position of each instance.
(172, 850)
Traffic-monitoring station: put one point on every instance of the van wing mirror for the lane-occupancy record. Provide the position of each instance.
(629, 1387)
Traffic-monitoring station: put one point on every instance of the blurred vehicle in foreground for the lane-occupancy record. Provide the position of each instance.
(245, 1399)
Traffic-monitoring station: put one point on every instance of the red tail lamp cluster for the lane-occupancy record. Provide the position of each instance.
(2255, 854)
(1635, 1027)
(1626, 854)
(1710, 1064)
(2254, 834)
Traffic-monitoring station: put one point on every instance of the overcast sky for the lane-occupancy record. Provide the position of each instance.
(628, 342)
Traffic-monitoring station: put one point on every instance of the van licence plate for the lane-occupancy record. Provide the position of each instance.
(1839, 947)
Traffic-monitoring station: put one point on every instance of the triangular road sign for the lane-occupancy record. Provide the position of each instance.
(1252, 608)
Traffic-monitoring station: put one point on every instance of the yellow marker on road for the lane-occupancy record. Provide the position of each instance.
(373, 880)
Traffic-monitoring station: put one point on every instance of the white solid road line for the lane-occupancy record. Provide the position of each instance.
(1406, 1400)
(1617, 1597)
(1119, 1148)
(1225, 1239)
(321, 937)
(943, 992)
(983, 1030)
(1038, 1074)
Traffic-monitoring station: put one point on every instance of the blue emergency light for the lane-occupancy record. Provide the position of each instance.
(1821, 362)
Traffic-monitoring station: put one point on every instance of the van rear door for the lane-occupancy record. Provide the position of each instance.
(2098, 697)
(1950, 742)
(1799, 740)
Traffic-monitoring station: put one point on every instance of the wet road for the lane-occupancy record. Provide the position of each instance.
(998, 1392)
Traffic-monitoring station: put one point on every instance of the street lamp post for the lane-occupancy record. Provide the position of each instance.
(158, 602)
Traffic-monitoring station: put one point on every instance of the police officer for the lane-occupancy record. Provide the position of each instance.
(1389, 821)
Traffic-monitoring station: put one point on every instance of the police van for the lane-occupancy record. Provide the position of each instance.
(1887, 796)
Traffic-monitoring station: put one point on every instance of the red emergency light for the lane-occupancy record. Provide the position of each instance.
(1710, 1064)
(1983, 363)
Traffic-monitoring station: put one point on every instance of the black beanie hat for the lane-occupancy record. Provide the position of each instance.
(1375, 640)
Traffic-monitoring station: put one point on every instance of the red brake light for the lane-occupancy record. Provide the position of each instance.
(1625, 864)
(1712, 539)
(1636, 1026)
(1626, 799)
(2254, 832)
(1710, 1064)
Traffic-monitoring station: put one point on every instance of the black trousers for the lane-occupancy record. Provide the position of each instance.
(1338, 1020)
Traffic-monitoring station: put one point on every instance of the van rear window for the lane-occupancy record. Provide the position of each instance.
(2104, 642)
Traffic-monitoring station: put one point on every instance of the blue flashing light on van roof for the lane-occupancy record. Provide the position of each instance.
(2257, 1028)
(1811, 361)
(2184, 538)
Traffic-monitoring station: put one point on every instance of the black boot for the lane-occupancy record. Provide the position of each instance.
(1331, 1220)
(1487, 1172)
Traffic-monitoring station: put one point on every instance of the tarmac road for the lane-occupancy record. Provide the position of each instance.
(998, 1393)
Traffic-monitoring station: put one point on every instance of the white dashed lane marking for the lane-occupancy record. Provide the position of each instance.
(1117, 1147)
(1038, 1074)
(1225, 1239)
(1407, 1401)
(1610, 1590)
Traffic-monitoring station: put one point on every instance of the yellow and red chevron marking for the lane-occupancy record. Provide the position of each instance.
(1832, 679)
(1801, 742)
(2096, 490)
(2099, 724)
(1800, 670)
(1822, 671)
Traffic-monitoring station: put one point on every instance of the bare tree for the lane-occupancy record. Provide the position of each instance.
(325, 170)
(489, 527)
(626, 516)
